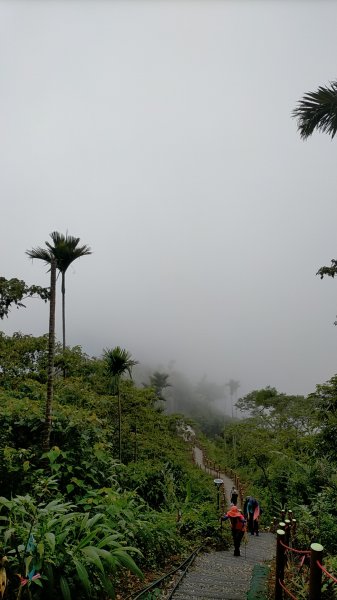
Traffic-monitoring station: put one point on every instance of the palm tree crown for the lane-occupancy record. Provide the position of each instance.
(317, 110)
(65, 250)
(117, 362)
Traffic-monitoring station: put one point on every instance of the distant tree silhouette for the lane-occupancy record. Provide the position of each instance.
(159, 381)
(233, 386)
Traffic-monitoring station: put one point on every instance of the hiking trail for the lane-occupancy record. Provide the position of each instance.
(222, 576)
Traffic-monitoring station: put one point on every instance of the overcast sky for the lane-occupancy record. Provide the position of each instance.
(160, 133)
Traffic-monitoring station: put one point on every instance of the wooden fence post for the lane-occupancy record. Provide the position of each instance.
(315, 582)
(280, 560)
(287, 530)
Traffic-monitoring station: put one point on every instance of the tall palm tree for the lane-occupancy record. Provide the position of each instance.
(51, 357)
(118, 361)
(317, 110)
(65, 250)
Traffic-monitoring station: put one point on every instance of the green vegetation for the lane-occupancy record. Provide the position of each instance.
(284, 450)
(98, 485)
(74, 519)
(14, 291)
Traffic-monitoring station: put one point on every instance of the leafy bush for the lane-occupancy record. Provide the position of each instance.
(58, 552)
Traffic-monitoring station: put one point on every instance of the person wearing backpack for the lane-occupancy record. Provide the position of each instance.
(252, 511)
(238, 527)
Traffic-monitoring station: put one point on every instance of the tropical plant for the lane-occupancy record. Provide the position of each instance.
(317, 110)
(118, 361)
(13, 291)
(58, 552)
(51, 358)
(65, 250)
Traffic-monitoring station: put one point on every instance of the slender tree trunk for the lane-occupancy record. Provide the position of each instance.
(135, 448)
(51, 356)
(63, 290)
(119, 424)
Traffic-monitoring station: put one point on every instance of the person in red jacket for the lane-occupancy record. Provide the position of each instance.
(238, 526)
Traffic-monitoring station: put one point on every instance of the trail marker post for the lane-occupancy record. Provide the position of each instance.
(280, 560)
(218, 483)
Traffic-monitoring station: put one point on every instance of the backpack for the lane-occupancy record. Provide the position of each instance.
(237, 523)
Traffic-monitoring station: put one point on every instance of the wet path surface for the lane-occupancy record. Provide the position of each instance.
(220, 575)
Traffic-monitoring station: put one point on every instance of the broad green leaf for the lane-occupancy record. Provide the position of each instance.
(92, 554)
(91, 522)
(110, 540)
(85, 521)
(83, 576)
(106, 584)
(128, 562)
(40, 548)
(65, 590)
(61, 537)
(87, 539)
(28, 560)
(50, 537)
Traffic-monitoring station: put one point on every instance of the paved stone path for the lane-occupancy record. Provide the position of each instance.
(220, 575)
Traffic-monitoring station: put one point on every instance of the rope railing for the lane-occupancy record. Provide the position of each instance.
(283, 540)
(316, 567)
(295, 550)
(326, 572)
(288, 592)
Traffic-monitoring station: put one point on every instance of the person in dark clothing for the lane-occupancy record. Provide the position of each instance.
(234, 496)
(238, 525)
(252, 511)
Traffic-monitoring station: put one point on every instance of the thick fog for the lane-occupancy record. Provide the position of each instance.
(160, 133)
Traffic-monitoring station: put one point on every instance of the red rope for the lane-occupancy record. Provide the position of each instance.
(326, 572)
(294, 549)
(286, 590)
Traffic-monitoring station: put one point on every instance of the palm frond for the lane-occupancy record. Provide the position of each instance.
(317, 110)
(64, 249)
(118, 361)
(40, 254)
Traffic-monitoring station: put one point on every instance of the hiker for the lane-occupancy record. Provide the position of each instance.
(252, 511)
(238, 525)
(234, 496)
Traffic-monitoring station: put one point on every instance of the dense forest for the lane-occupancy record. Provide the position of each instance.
(97, 478)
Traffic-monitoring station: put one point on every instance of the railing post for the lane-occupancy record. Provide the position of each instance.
(293, 524)
(287, 530)
(280, 560)
(315, 582)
